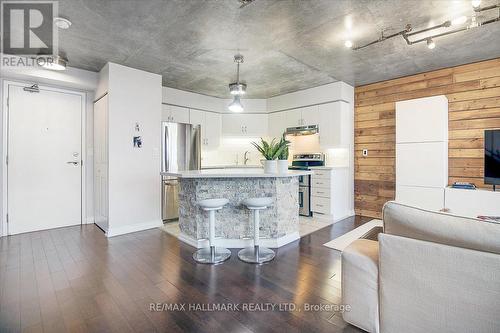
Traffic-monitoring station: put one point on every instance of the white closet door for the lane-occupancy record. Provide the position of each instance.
(422, 164)
(422, 151)
(44, 150)
(422, 120)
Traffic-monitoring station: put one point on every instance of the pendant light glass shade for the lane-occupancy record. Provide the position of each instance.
(235, 105)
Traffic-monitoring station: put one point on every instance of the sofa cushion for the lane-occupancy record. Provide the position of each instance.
(360, 284)
(443, 228)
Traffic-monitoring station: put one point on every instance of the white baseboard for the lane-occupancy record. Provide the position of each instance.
(241, 243)
(126, 229)
(90, 220)
(331, 217)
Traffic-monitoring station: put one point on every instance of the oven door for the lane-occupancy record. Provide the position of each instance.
(304, 201)
(304, 180)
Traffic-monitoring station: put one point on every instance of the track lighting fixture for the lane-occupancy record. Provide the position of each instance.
(411, 36)
(430, 43)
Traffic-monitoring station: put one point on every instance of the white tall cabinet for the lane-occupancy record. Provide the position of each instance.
(127, 177)
(422, 151)
(101, 162)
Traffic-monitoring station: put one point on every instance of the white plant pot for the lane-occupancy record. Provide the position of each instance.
(270, 166)
(282, 166)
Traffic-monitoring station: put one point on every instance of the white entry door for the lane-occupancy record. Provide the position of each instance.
(44, 171)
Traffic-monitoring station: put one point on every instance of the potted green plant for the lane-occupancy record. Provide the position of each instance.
(270, 151)
(283, 156)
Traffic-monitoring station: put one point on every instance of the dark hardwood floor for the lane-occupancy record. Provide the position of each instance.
(76, 280)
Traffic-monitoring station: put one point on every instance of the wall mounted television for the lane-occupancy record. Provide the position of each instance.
(492, 157)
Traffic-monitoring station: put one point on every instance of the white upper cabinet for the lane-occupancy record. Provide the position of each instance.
(197, 117)
(276, 126)
(210, 127)
(245, 125)
(291, 118)
(212, 130)
(310, 115)
(335, 124)
(174, 114)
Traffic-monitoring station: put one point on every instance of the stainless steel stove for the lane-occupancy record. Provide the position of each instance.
(305, 162)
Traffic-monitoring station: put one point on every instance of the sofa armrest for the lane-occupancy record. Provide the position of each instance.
(360, 284)
(431, 287)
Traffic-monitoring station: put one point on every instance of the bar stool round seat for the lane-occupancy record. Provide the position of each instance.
(216, 204)
(256, 254)
(212, 254)
(258, 203)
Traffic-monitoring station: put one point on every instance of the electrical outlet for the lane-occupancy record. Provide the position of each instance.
(365, 152)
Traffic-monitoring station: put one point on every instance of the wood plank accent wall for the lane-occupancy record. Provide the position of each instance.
(473, 92)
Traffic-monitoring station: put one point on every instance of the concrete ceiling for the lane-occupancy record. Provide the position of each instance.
(288, 45)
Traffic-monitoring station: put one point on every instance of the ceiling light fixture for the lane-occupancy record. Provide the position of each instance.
(348, 44)
(430, 43)
(476, 3)
(411, 36)
(56, 63)
(62, 23)
(238, 88)
(235, 105)
(459, 20)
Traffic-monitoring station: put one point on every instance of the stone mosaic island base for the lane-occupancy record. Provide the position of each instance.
(279, 223)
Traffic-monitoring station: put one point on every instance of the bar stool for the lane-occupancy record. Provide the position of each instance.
(212, 254)
(257, 254)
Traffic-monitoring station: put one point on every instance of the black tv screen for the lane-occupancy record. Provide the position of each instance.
(492, 157)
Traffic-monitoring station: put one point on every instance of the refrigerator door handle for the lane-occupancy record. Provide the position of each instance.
(165, 150)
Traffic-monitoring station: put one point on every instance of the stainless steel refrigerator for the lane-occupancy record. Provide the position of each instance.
(181, 150)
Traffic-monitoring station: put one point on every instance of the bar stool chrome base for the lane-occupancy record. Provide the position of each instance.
(256, 255)
(211, 255)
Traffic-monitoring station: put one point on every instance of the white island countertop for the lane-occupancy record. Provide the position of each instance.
(235, 173)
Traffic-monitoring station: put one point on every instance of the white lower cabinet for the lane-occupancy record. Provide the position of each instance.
(329, 193)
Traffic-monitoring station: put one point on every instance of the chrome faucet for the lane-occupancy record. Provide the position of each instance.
(245, 157)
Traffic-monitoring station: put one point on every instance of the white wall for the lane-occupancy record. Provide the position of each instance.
(134, 173)
(73, 79)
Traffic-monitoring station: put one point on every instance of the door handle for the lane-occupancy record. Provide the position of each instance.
(74, 163)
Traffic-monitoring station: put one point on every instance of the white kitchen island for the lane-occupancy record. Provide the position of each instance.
(279, 223)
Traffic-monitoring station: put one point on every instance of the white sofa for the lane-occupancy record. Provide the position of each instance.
(429, 272)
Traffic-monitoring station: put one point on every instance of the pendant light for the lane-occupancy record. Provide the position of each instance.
(57, 63)
(237, 88)
(235, 105)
